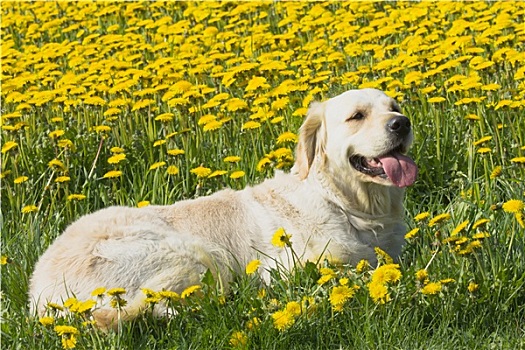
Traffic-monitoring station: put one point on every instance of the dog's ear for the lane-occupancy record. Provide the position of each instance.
(311, 140)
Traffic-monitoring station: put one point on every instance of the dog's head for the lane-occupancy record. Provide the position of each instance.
(362, 132)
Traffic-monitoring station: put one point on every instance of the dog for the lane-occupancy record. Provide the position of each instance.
(342, 198)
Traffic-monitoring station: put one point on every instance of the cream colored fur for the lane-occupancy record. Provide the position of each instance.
(324, 203)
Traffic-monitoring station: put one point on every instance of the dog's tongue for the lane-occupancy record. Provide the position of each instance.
(401, 169)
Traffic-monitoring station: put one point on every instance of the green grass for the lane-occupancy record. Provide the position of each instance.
(52, 67)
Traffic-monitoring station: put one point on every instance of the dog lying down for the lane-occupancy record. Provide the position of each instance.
(342, 198)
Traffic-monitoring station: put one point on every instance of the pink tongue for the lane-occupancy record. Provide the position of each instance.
(400, 169)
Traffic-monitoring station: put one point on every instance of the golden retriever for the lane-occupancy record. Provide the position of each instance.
(342, 198)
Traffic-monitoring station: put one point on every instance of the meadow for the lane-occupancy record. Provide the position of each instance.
(138, 103)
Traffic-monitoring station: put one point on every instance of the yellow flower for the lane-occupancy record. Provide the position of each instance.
(438, 219)
(472, 287)
(142, 204)
(254, 322)
(251, 125)
(293, 307)
(519, 218)
(421, 275)
(165, 117)
(431, 288)
(339, 295)
(479, 223)
(378, 292)
(252, 266)
(172, 170)
(459, 228)
(5, 260)
(422, 216)
(46, 321)
(56, 134)
(382, 255)
(169, 295)
(217, 173)
(388, 273)
(232, 159)
(287, 137)
(189, 291)
(116, 158)
(237, 174)
(112, 174)
(513, 206)
(66, 330)
(116, 149)
(77, 197)
(410, 234)
(101, 128)
(362, 266)
(238, 339)
(116, 292)
(56, 164)
(256, 83)
(483, 150)
(157, 165)
(9, 145)
(482, 140)
(496, 172)
(54, 307)
(62, 179)
(282, 320)
(20, 179)
(436, 99)
(201, 171)
(280, 239)
(518, 160)
(212, 125)
(29, 209)
(175, 152)
(98, 292)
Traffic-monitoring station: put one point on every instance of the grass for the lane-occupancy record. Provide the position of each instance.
(80, 79)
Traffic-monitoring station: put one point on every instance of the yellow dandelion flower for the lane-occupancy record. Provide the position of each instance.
(98, 292)
(483, 150)
(479, 223)
(520, 160)
(431, 288)
(362, 266)
(238, 339)
(344, 281)
(54, 307)
(237, 174)
(116, 292)
(459, 228)
(217, 173)
(472, 287)
(20, 179)
(172, 170)
(378, 292)
(339, 295)
(213, 125)
(46, 321)
(85, 306)
(66, 330)
(61, 179)
(436, 99)
(9, 145)
(422, 216)
(157, 165)
(412, 233)
(482, 140)
(263, 164)
(169, 295)
(438, 219)
(77, 197)
(142, 204)
(280, 239)
(112, 174)
(56, 164)
(56, 134)
(189, 291)
(5, 260)
(447, 281)
(232, 159)
(252, 266)
(165, 117)
(421, 275)
(519, 218)
(29, 209)
(388, 273)
(251, 125)
(472, 117)
(513, 206)
(101, 129)
(282, 320)
(159, 143)
(257, 83)
(287, 137)
(201, 171)
(116, 150)
(382, 255)
(175, 152)
(496, 172)
(116, 158)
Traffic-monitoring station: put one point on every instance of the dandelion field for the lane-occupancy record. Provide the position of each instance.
(131, 103)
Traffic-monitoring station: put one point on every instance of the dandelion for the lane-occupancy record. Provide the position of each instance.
(422, 216)
(201, 171)
(156, 165)
(172, 170)
(421, 275)
(362, 266)
(101, 129)
(5, 260)
(116, 158)
(9, 145)
(431, 288)
(232, 159)
(169, 295)
(513, 206)
(437, 99)
(46, 321)
(189, 291)
(482, 140)
(98, 292)
(159, 143)
(213, 125)
(142, 204)
(112, 174)
(472, 287)
(483, 150)
(238, 339)
(217, 173)
(480, 223)
(327, 274)
(29, 209)
(388, 273)
(412, 233)
(61, 179)
(116, 150)
(481, 235)
(68, 334)
(251, 125)
(20, 179)
(56, 134)
(237, 174)
(496, 172)
(520, 160)
(438, 219)
(113, 292)
(459, 228)
(165, 117)
(252, 266)
(378, 292)
(76, 197)
(294, 308)
(280, 239)
(519, 218)
(287, 137)
(175, 152)
(282, 320)
(339, 295)
(382, 255)
(54, 307)
(56, 164)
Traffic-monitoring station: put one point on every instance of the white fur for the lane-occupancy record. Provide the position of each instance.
(326, 206)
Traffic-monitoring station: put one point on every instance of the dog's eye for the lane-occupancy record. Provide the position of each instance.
(357, 116)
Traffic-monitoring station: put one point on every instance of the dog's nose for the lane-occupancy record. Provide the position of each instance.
(399, 125)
